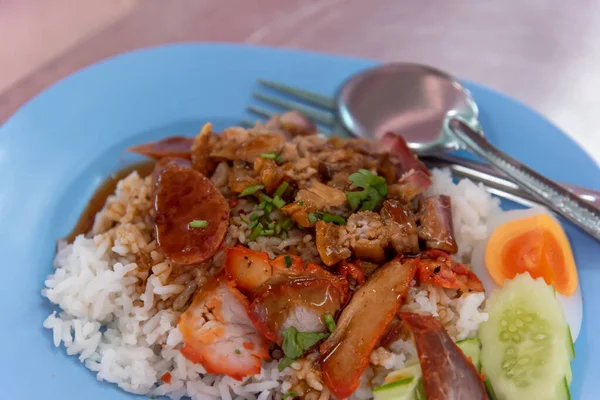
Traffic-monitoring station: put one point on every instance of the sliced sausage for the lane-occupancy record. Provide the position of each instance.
(183, 195)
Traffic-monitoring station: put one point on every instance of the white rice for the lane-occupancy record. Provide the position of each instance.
(117, 329)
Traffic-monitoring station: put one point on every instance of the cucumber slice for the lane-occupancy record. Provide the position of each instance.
(525, 346)
(570, 344)
(472, 349)
(402, 384)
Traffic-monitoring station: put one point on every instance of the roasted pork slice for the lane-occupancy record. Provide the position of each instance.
(447, 373)
(410, 186)
(406, 160)
(345, 354)
(301, 301)
(218, 333)
(175, 146)
(251, 270)
(438, 268)
(436, 227)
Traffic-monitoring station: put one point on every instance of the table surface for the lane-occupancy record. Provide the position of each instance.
(544, 53)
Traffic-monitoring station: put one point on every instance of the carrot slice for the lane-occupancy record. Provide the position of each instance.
(537, 245)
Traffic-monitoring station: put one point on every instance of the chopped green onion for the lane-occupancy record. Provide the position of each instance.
(269, 156)
(312, 218)
(198, 223)
(253, 224)
(271, 225)
(289, 394)
(237, 351)
(256, 232)
(300, 202)
(251, 190)
(336, 219)
(278, 202)
(279, 159)
(265, 198)
(329, 322)
(268, 208)
(283, 235)
(268, 232)
(254, 217)
(287, 224)
(288, 261)
(281, 189)
(262, 205)
(245, 219)
(278, 228)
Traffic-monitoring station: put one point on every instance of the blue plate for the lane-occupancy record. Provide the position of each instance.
(58, 147)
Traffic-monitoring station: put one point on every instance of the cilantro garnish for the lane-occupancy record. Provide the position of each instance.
(296, 343)
(374, 190)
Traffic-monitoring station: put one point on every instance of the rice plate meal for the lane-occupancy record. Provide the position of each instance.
(276, 263)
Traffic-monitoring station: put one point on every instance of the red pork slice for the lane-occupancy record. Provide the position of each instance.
(176, 146)
(301, 301)
(447, 373)
(345, 354)
(407, 160)
(437, 229)
(183, 195)
(410, 185)
(438, 268)
(218, 334)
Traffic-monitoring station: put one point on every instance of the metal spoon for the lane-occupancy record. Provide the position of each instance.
(435, 113)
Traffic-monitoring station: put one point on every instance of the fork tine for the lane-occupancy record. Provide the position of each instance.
(309, 97)
(325, 118)
(263, 112)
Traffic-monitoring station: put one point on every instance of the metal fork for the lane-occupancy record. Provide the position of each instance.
(322, 110)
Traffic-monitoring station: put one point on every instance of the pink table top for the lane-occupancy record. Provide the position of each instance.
(543, 53)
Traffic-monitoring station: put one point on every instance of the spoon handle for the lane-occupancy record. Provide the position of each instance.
(548, 193)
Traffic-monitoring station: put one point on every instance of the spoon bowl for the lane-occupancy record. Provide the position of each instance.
(434, 113)
(411, 100)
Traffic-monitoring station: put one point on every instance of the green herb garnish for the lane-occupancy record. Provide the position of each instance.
(264, 197)
(374, 190)
(283, 235)
(288, 261)
(198, 223)
(278, 202)
(251, 190)
(336, 219)
(237, 351)
(271, 225)
(281, 189)
(287, 224)
(267, 232)
(312, 218)
(269, 156)
(253, 224)
(268, 208)
(289, 394)
(254, 217)
(329, 322)
(256, 232)
(296, 343)
(300, 202)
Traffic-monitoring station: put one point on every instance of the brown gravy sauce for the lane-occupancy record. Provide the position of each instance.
(86, 219)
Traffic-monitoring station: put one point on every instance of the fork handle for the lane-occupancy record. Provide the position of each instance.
(548, 193)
